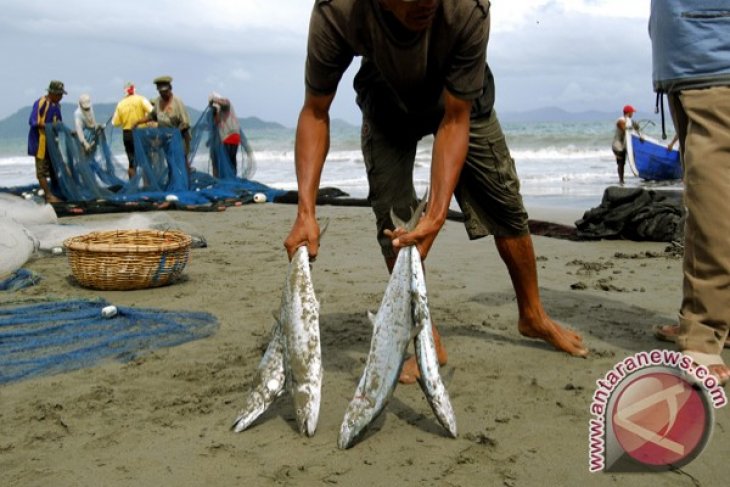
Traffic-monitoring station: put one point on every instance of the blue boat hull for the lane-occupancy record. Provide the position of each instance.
(653, 161)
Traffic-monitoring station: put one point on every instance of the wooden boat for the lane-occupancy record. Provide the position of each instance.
(650, 159)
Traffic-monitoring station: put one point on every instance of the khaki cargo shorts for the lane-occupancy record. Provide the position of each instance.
(42, 168)
(488, 190)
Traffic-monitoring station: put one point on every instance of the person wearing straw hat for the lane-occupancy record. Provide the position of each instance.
(169, 112)
(46, 110)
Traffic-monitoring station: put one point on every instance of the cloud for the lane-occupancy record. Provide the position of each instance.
(240, 74)
(510, 15)
(580, 55)
(577, 53)
(213, 26)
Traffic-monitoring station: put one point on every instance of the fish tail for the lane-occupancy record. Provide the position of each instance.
(415, 216)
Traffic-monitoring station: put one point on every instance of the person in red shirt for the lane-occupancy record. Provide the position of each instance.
(618, 146)
(228, 127)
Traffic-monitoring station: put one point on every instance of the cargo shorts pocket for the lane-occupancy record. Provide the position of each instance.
(501, 166)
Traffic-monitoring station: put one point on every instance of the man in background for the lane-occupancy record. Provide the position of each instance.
(132, 109)
(691, 65)
(618, 145)
(228, 130)
(46, 110)
(169, 112)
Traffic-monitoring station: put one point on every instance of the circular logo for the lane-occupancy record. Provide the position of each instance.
(660, 419)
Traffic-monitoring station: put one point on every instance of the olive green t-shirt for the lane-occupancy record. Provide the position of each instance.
(402, 74)
(174, 114)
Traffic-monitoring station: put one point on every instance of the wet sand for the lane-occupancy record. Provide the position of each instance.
(522, 408)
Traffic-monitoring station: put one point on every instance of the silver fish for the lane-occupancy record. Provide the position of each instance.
(268, 384)
(299, 316)
(403, 315)
(293, 360)
(428, 365)
(393, 329)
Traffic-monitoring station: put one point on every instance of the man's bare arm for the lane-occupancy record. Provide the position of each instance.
(449, 153)
(310, 151)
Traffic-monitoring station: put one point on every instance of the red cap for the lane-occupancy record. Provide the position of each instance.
(629, 109)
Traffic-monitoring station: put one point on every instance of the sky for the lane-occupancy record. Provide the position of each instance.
(574, 54)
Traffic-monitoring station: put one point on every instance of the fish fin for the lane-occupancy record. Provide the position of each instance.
(448, 377)
(415, 215)
(396, 221)
(324, 226)
(371, 318)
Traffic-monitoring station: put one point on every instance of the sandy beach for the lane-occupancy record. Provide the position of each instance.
(522, 408)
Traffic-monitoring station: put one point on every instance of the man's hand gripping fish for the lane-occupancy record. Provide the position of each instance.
(403, 315)
(293, 359)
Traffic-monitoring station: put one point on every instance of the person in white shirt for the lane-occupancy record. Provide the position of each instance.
(619, 139)
(85, 122)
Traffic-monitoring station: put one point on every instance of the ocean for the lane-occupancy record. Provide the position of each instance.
(560, 164)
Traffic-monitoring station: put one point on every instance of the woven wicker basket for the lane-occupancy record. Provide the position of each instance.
(128, 259)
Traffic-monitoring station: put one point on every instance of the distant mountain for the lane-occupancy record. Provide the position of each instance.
(255, 123)
(555, 114)
(339, 124)
(16, 125)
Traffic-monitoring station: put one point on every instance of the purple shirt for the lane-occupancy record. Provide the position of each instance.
(44, 110)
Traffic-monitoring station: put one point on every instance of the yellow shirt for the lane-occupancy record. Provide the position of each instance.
(130, 110)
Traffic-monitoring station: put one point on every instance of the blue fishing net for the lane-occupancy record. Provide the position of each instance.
(52, 337)
(163, 171)
(219, 162)
(73, 175)
(19, 279)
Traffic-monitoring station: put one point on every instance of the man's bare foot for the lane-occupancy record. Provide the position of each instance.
(561, 338)
(721, 371)
(669, 333)
(410, 373)
(712, 362)
(52, 199)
